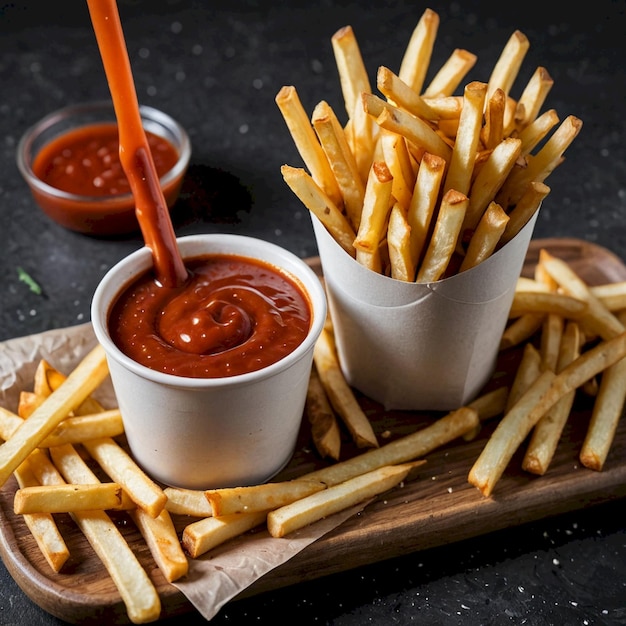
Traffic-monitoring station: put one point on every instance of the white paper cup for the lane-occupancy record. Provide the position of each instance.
(419, 346)
(213, 432)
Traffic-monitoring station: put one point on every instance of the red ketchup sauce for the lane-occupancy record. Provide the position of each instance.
(231, 316)
(86, 161)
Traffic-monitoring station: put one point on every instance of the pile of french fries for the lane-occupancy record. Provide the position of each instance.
(68, 454)
(422, 183)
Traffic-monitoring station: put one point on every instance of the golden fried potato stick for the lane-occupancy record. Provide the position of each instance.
(201, 536)
(492, 132)
(486, 236)
(551, 337)
(342, 162)
(236, 500)
(451, 73)
(340, 394)
(534, 133)
(547, 302)
(461, 166)
(137, 590)
(489, 405)
(87, 375)
(419, 134)
(123, 469)
(424, 202)
(444, 238)
(322, 419)
(416, 59)
(490, 179)
(533, 97)
(607, 411)
(306, 142)
(398, 161)
(597, 316)
(547, 390)
(446, 108)
(187, 502)
(612, 295)
(507, 67)
(376, 207)
(162, 539)
(401, 95)
(404, 450)
(526, 374)
(526, 207)
(399, 245)
(353, 75)
(42, 525)
(542, 164)
(66, 498)
(291, 517)
(83, 427)
(521, 329)
(547, 432)
(314, 199)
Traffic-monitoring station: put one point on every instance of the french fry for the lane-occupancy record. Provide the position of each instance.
(542, 164)
(548, 302)
(314, 199)
(446, 108)
(234, 500)
(461, 166)
(398, 161)
(533, 96)
(376, 208)
(547, 390)
(547, 432)
(416, 59)
(612, 295)
(534, 133)
(451, 73)
(322, 419)
(399, 244)
(306, 142)
(9, 423)
(48, 379)
(201, 536)
(488, 405)
(84, 427)
(340, 394)
(88, 374)
(67, 498)
(521, 329)
(551, 336)
(162, 539)
(424, 202)
(121, 467)
(136, 589)
(445, 236)
(419, 134)
(401, 95)
(291, 517)
(527, 206)
(597, 317)
(344, 167)
(490, 179)
(486, 236)
(353, 75)
(42, 525)
(187, 502)
(526, 374)
(492, 133)
(508, 64)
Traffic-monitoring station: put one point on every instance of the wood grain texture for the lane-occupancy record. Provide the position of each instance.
(438, 507)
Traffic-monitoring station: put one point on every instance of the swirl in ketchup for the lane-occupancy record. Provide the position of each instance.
(231, 316)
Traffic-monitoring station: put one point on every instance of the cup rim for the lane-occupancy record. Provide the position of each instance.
(32, 132)
(132, 265)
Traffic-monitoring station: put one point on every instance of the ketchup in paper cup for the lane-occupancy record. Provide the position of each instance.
(217, 399)
(420, 346)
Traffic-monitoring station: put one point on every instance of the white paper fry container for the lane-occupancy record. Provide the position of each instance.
(420, 346)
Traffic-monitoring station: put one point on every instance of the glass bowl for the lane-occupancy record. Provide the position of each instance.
(101, 215)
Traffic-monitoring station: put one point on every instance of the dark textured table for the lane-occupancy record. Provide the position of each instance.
(217, 70)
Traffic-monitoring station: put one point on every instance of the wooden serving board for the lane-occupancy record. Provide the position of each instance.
(439, 507)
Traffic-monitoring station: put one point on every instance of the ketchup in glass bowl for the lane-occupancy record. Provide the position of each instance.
(70, 160)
